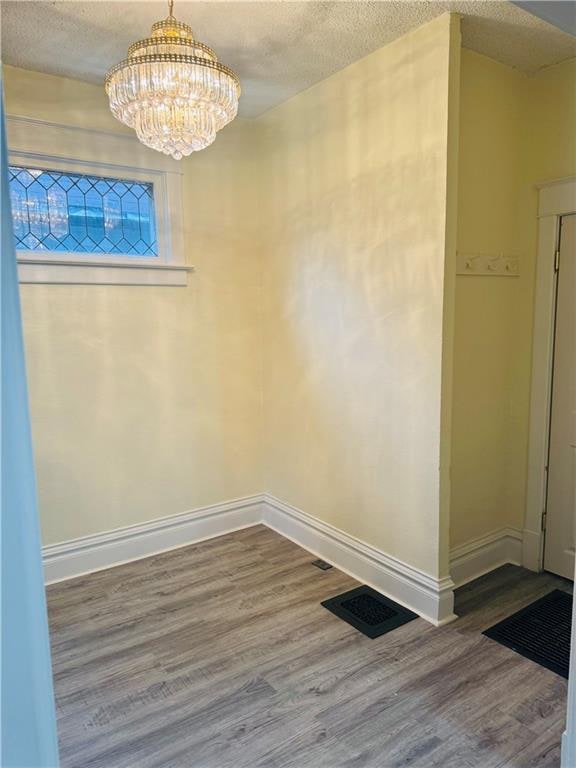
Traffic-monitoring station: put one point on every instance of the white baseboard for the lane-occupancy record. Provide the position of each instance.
(532, 549)
(484, 554)
(105, 550)
(431, 598)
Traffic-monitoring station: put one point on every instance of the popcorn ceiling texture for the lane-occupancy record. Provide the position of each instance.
(277, 48)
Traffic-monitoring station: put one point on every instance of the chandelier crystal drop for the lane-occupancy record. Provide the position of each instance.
(172, 90)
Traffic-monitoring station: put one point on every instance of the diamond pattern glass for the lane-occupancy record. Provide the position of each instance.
(76, 213)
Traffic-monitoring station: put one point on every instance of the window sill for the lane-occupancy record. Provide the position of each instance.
(64, 272)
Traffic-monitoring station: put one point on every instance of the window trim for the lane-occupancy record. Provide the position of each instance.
(61, 267)
(74, 272)
(161, 205)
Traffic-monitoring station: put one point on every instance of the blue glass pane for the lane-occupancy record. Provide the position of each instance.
(46, 180)
(65, 182)
(84, 184)
(130, 218)
(112, 217)
(51, 243)
(88, 245)
(32, 243)
(19, 208)
(38, 211)
(71, 244)
(58, 211)
(102, 186)
(146, 218)
(76, 213)
(24, 177)
(95, 216)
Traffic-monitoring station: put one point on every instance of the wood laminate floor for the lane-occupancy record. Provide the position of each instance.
(219, 655)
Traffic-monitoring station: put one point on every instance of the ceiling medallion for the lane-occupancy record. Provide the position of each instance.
(172, 90)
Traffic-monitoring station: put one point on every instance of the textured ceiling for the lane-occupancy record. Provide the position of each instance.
(560, 13)
(277, 48)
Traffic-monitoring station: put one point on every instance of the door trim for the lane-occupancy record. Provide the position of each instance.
(555, 199)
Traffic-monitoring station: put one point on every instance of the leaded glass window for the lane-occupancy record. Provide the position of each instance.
(79, 213)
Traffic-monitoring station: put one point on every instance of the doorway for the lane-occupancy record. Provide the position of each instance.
(559, 524)
(555, 276)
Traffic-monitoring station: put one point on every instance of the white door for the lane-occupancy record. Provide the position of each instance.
(560, 523)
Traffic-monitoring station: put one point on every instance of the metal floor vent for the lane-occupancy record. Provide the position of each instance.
(322, 564)
(540, 632)
(368, 611)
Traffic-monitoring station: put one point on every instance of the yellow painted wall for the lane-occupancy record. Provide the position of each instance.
(354, 289)
(146, 401)
(551, 109)
(492, 198)
(514, 132)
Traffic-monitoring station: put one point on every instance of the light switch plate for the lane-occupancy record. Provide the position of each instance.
(487, 265)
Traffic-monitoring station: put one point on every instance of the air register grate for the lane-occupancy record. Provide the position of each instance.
(368, 611)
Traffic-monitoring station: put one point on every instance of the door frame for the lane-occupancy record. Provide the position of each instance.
(555, 199)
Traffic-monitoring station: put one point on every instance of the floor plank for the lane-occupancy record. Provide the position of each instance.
(219, 655)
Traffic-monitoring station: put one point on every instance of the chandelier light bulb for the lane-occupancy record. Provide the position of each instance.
(172, 90)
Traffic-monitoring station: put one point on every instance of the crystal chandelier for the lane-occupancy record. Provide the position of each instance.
(173, 90)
